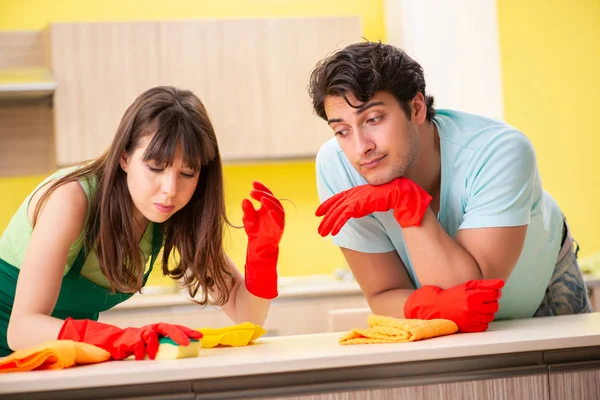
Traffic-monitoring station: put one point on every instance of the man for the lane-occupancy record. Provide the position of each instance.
(444, 202)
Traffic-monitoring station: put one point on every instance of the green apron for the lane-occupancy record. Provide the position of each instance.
(79, 297)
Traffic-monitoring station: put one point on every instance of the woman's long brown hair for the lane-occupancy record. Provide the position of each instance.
(176, 118)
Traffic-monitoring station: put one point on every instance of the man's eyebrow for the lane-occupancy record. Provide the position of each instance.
(367, 106)
(358, 111)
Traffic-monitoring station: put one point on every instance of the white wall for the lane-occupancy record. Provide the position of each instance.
(456, 42)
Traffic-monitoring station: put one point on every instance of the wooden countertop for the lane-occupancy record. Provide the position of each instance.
(318, 352)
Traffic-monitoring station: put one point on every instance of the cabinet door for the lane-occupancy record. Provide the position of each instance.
(531, 387)
(99, 69)
(197, 317)
(252, 75)
(136, 317)
(581, 382)
(27, 139)
(221, 61)
(307, 316)
(292, 49)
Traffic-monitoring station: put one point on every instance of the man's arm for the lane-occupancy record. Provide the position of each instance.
(499, 193)
(383, 280)
(477, 253)
(389, 291)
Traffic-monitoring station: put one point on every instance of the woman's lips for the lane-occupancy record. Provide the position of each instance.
(163, 208)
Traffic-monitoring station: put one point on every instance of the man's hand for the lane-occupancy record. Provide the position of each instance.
(408, 200)
(470, 305)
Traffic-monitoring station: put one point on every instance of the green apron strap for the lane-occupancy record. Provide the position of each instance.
(157, 243)
(82, 256)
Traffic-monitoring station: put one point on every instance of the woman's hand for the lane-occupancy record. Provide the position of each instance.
(264, 228)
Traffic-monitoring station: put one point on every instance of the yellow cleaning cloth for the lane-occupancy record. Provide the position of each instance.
(53, 354)
(235, 335)
(393, 330)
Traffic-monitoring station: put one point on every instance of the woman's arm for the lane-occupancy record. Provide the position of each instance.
(59, 224)
(242, 305)
(250, 302)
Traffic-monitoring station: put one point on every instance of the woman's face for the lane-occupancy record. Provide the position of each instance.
(158, 191)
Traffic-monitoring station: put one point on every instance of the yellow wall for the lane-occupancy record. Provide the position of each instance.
(302, 252)
(36, 14)
(550, 63)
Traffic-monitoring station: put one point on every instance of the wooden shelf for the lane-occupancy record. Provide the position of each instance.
(29, 83)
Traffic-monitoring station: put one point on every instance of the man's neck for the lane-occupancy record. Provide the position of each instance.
(426, 168)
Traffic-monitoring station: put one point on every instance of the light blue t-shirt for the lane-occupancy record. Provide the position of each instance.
(489, 179)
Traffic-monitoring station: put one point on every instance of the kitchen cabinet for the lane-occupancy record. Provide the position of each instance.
(99, 69)
(287, 316)
(251, 75)
(26, 115)
(27, 137)
(531, 387)
(579, 381)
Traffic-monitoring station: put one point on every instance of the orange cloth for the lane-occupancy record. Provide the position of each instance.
(53, 354)
(393, 330)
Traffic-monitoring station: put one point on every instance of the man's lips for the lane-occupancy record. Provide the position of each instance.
(371, 163)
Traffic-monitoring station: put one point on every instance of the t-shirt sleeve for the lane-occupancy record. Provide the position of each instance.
(334, 175)
(500, 184)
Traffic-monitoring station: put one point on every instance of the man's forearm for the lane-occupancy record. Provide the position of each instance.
(390, 302)
(436, 257)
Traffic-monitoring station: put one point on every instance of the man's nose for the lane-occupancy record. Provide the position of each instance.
(363, 142)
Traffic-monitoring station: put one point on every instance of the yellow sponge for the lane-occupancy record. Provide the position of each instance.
(169, 350)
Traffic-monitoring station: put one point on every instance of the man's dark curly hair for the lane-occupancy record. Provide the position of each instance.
(365, 68)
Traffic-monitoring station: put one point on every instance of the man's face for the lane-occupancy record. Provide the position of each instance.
(378, 138)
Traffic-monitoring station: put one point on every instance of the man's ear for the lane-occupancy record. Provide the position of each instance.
(124, 161)
(419, 108)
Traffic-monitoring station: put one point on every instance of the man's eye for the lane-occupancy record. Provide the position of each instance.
(374, 120)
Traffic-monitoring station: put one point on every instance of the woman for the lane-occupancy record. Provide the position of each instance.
(79, 244)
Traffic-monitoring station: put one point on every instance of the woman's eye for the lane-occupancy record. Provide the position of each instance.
(188, 175)
(154, 169)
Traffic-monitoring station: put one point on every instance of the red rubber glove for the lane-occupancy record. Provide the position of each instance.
(122, 343)
(470, 305)
(264, 228)
(408, 200)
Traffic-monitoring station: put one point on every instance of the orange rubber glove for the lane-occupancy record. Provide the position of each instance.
(470, 305)
(122, 343)
(264, 228)
(408, 200)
